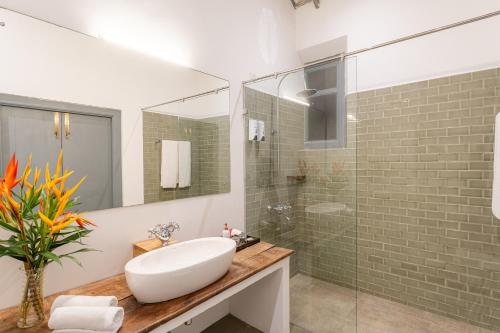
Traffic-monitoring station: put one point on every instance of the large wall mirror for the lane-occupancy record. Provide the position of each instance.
(141, 129)
(186, 144)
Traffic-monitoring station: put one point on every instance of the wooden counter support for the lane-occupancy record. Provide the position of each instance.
(261, 268)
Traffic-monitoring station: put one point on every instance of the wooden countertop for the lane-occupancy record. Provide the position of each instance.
(145, 317)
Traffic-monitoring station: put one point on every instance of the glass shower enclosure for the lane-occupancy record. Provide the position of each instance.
(381, 181)
(301, 186)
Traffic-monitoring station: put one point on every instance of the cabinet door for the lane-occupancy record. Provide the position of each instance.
(88, 151)
(25, 131)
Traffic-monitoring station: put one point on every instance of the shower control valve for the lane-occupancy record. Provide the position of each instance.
(280, 207)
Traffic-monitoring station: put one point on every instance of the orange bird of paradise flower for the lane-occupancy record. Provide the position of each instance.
(9, 180)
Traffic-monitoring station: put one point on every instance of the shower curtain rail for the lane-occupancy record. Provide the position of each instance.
(206, 93)
(374, 47)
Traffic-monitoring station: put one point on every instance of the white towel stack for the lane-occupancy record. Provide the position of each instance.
(169, 164)
(85, 314)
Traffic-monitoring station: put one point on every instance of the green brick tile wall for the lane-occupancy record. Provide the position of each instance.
(426, 235)
(409, 215)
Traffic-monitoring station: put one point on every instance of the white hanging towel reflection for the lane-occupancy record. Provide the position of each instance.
(169, 173)
(184, 164)
(495, 204)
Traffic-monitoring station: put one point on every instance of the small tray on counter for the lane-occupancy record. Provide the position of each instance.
(246, 242)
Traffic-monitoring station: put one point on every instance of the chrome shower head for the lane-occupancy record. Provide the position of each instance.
(306, 93)
(299, 3)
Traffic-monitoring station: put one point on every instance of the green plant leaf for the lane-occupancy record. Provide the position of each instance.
(51, 257)
(73, 237)
(70, 256)
(73, 259)
(9, 227)
(80, 251)
(14, 251)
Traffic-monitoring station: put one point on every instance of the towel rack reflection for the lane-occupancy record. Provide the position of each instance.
(158, 141)
(210, 92)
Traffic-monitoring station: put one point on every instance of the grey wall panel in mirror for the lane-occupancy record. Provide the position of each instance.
(72, 73)
(186, 146)
(90, 138)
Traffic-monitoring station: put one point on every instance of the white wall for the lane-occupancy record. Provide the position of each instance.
(231, 39)
(368, 22)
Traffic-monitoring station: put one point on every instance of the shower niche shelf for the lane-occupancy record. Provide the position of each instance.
(291, 180)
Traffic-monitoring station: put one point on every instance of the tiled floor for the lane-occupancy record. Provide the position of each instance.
(322, 307)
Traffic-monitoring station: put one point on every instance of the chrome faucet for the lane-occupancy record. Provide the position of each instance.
(164, 232)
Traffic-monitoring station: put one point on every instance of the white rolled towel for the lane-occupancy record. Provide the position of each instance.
(96, 318)
(82, 300)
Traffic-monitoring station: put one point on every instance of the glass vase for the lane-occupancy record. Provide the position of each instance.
(31, 308)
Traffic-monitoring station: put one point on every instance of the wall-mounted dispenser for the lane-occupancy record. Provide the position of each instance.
(256, 130)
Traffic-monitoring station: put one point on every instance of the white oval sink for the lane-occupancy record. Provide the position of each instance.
(179, 269)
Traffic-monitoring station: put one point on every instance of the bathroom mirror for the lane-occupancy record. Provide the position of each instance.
(105, 106)
(186, 144)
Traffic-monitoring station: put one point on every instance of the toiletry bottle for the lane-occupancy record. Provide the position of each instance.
(230, 231)
(225, 231)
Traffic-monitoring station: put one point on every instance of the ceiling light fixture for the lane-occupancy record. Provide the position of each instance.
(147, 38)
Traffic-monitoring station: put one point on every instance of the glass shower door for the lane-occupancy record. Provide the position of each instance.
(301, 188)
(321, 142)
